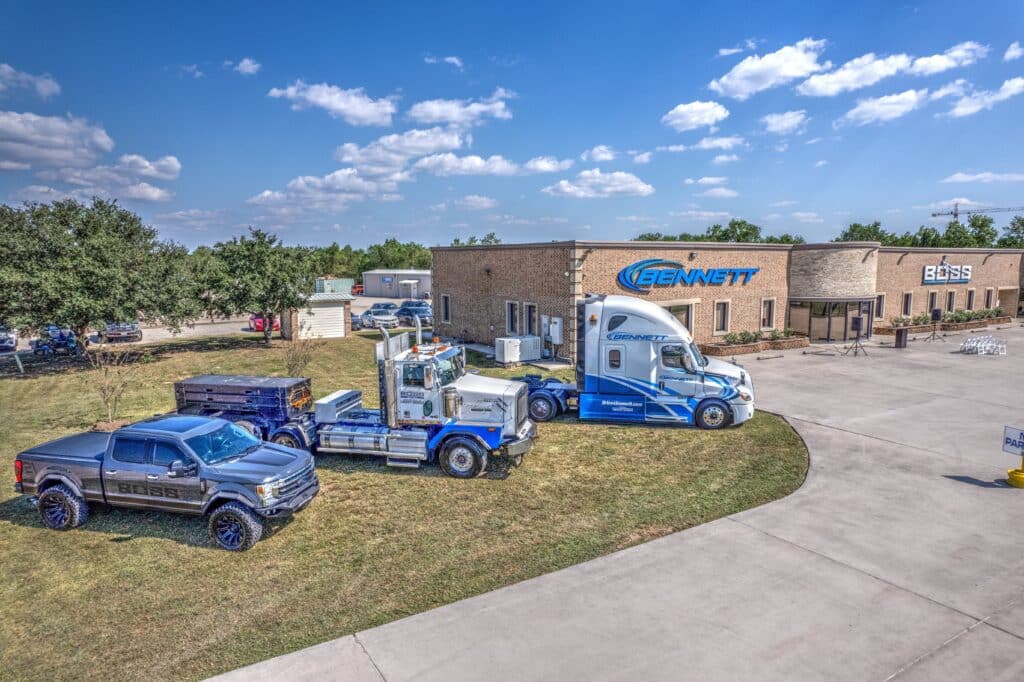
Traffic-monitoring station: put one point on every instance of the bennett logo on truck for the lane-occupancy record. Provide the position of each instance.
(643, 275)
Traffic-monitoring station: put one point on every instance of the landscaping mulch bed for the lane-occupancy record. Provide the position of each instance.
(721, 349)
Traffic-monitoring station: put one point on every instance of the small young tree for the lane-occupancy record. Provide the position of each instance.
(114, 371)
(299, 352)
(257, 274)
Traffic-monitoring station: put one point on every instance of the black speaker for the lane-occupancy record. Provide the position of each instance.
(936, 315)
(857, 324)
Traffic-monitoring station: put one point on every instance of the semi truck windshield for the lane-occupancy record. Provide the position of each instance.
(450, 369)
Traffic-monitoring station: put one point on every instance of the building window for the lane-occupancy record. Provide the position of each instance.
(908, 303)
(879, 306)
(511, 318)
(721, 317)
(988, 298)
(970, 299)
(819, 309)
(530, 317)
(681, 313)
(933, 301)
(614, 358)
(768, 313)
(446, 308)
(950, 301)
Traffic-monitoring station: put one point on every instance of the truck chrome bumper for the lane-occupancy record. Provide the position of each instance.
(521, 445)
(741, 412)
(297, 502)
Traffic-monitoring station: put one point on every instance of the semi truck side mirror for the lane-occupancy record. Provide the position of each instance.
(428, 376)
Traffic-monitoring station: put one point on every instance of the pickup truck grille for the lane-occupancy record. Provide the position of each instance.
(296, 482)
(522, 406)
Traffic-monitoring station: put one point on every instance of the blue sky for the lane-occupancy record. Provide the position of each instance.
(349, 122)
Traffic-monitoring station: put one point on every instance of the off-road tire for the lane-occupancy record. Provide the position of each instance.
(234, 527)
(462, 457)
(712, 415)
(61, 509)
(542, 408)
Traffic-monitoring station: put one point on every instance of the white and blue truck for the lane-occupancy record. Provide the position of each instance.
(431, 410)
(636, 363)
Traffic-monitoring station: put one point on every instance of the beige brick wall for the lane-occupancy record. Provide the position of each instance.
(901, 271)
(480, 281)
(601, 266)
(833, 270)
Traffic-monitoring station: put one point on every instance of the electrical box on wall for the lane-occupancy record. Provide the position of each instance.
(555, 331)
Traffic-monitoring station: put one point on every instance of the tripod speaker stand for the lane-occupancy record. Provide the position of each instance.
(857, 347)
(936, 318)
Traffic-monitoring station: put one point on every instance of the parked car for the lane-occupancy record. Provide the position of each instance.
(377, 318)
(357, 289)
(257, 323)
(385, 305)
(408, 313)
(356, 322)
(8, 340)
(122, 331)
(57, 340)
(178, 463)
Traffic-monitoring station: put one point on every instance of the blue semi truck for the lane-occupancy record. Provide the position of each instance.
(431, 410)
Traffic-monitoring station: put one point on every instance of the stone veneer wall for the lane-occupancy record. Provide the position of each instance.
(833, 271)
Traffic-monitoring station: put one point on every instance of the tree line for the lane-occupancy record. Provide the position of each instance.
(736, 231)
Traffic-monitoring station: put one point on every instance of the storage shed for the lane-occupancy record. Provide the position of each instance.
(396, 283)
(325, 316)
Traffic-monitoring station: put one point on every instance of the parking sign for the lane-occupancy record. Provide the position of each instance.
(1013, 440)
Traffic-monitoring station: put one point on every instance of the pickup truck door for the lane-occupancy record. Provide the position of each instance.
(678, 385)
(173, 493)
(124, 472)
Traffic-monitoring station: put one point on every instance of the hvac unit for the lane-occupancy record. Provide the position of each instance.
(555, 331)
(529, 348)
(506, 350)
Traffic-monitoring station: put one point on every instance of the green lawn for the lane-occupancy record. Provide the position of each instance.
(136, 594)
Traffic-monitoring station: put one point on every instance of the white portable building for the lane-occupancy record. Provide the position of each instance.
(326, 316)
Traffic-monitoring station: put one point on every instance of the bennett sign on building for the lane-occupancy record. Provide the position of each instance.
(643, 275)
(944, 273)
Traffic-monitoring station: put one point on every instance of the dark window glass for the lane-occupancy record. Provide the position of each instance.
(615, 359)
(880, 306)
(819, 309)
(615, 322)
(970, 299)
(130, 450)
(446, 311)
(767, 314)
(907, 303)
(673, 356)
(722, 316)
(412, 375)
(165, 453)
(950, 300)
(681, 313)
(933, 301)
(512, 318)
(988, 298)
(531, 320)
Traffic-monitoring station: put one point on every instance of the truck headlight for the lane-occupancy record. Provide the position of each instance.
(745, 396)
(267, 492)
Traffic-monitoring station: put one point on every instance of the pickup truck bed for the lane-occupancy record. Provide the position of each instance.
(76, 446)
(76, 458)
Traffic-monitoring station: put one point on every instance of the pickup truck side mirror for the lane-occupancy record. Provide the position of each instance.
(179, 469)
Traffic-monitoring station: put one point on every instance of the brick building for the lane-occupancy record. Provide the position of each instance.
(484, 292)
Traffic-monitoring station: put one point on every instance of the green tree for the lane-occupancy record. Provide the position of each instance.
(487, 240)
(80, 265)
(926, 236)
(784, 238)
(983, 230)
(956, 236)
(736, 231)
(1013, 234)
(257, 274)
(871, 232)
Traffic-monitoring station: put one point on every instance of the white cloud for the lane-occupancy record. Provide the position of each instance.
(724, 143)
(820, 164)
(724, 158)
(164, 168)
(592, 184)
(40, 193)
(985, 177)
(13, 165)
(452, 61)
(601, 152)
(707, 180)
(962, 54)
(986, 99)
(948, 203)
(248, 66)
(10, 78)
(785, 123)
(643, 157)
(698, 214)
(881, 109)
(476, 202)
(192, 70)
(727, 51)
(807, 217)
(756, 73)
(1014, 51)
(195, 218)
(694, 115)
(388, 155)
(123, 180)
(718, 193)
(955, 89)
(354, 106)
(547, 164)
(672, 148)
(450, 164)
(857, 73)
(311, 195)
(463, 112)
(143, 191)
(815, 140)
(33, 140)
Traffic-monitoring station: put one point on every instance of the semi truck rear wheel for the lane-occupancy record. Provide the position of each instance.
(463, 458)
(542, 408)
(235, 527)
(287, 440)
(60, 508)
(248, 426)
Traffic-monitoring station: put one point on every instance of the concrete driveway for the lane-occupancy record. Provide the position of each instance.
(902, 556)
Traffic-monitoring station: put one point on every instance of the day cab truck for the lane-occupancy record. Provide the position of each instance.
(432, 410)
(637, 363)
(176, 463)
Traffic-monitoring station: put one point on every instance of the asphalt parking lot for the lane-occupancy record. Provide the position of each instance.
(899, 558)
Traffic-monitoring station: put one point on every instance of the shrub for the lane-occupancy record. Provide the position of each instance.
(922, 318)
(775, 335)
(787, 332)
(999, 312)
(732, 338)
(901, 321)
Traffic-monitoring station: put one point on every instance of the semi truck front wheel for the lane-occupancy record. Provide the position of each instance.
(463, 458)
(713, 414)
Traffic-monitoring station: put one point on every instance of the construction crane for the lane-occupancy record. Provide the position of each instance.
(971, 211)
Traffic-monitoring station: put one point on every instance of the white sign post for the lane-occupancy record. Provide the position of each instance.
(1013, 443)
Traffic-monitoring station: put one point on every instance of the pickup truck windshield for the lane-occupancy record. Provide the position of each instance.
(450, 369)
(226, 442)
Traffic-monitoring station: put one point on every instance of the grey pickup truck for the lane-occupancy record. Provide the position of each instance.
(176, 463)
